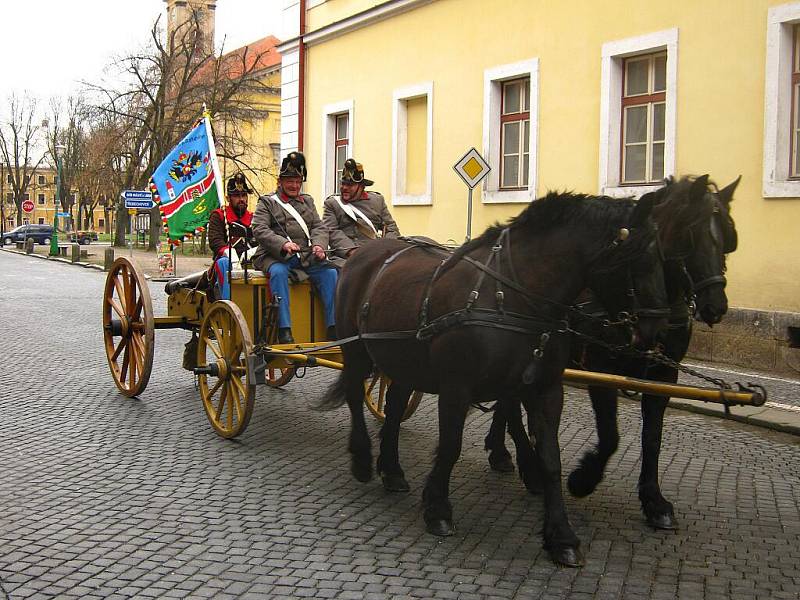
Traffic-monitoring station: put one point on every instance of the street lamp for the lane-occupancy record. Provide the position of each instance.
(58, 149)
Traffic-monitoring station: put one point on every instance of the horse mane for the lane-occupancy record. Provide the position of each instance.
(556, 209)
(675, 213)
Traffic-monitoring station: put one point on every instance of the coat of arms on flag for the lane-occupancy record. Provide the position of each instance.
(186, 184)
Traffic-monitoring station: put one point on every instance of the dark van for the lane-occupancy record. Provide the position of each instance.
(41, 234)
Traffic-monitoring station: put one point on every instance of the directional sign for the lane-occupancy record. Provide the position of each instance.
(63, 214)
(138, 199)
(27, 206)
(472, 168)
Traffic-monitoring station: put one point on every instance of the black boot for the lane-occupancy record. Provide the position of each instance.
(331, 333)
(285, 335)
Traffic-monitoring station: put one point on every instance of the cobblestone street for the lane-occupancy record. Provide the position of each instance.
(104, 496)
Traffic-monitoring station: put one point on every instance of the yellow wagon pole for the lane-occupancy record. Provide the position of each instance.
(707, 394)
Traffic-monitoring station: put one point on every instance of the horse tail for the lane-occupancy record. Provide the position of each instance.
(335, 396)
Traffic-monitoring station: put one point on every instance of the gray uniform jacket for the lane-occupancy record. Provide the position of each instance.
(344, 234)
(272, 224)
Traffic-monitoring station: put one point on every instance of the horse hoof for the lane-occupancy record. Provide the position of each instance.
(665, 521)
(579, 485)
(362, 473)
(568, 557)
(440, 527)
(395, 483)
(501, 464)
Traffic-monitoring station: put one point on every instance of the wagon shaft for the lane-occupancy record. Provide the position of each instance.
(716, 395)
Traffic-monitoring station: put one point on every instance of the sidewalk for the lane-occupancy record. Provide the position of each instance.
(781, 412)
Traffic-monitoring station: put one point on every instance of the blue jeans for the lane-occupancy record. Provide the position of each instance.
(223, 285)
(323, 276)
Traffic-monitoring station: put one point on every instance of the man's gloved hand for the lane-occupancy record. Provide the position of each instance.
(290, 248)
(319, 252)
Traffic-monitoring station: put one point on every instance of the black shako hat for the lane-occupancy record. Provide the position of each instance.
(238, 184)
(353, 172)
(294, 165)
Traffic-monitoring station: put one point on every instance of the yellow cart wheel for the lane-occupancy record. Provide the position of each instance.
(279, 376)
(223, 346)
(375, 388)
(128, 327)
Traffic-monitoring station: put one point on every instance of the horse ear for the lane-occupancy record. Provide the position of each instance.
(644, 207)
(726, 193)
(699, 188)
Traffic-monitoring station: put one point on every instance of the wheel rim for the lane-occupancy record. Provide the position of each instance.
(278, 376)
(128, 327)
(375, 388)
(223, 346)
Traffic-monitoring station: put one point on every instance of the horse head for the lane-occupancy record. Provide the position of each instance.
(632, 264)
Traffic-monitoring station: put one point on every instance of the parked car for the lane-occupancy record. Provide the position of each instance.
(83, 237)
(41, 234)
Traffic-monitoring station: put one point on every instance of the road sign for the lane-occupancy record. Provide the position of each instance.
(63, 215)
(27, 206)
(138, 199)
(472, 168)
(132, 211)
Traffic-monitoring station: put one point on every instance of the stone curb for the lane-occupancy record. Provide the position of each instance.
(777, 419)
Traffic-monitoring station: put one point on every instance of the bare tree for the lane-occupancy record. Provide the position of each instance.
(19, 138)
(165, 88)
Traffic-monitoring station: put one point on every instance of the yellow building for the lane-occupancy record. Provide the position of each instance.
(600, 97)
(42, 192)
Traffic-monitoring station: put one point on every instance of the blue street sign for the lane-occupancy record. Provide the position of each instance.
(61, 214)
(138, 199)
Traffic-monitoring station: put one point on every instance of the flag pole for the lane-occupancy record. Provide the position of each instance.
(223, 201)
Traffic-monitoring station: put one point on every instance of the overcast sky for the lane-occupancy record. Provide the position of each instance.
(46, 46)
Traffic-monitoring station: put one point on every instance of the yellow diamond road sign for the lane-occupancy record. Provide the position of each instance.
(472, 168)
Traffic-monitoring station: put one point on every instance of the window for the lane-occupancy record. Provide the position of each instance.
(515, 124)
(510, 131)
(101, 222)
(41, 179)
(26, 196)
(9, 179)
(341, 145)
(412, 144)
(40, 199)
(638, 98)
(41, 221)
(26, 221)
(337, 146)
(643, 110)
(781, 177)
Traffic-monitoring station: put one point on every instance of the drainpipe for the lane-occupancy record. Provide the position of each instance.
(301, 84)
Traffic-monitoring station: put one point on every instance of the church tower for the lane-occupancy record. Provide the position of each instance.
(181, 11)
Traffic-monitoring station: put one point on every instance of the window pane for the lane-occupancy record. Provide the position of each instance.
(636, 80)
(511, 138)
(511, 92)
(635, 124)
(658, 121)
(527, 135)
(657, 169)
(511, 171)
(526, 161)
(635, 157)
(341, 127)
(660, 73)
(796, 137)
(526, 95)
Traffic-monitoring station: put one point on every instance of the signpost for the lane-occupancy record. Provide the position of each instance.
(138, 199)
(471, 168)
(27, 206)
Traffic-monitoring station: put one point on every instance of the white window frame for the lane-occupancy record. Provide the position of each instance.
(611, 76)
(329, 114)
(400, 97)
(778, 103)
(492, 102)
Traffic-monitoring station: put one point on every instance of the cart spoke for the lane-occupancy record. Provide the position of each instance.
(134, 362)
(242, 394)
(137, 310)
(231, 402)
(222, 399)
(120, 292)
(122, 344)
(117, 308)
(211, 346)
(131, 287)
(125, 360)
(214, 389)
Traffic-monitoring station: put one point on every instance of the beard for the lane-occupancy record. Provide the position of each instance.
(239, 209)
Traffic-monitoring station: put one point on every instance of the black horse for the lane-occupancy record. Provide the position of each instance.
(492, 320)
(694, 274)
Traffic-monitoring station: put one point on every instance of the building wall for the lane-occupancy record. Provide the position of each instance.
(721, 50)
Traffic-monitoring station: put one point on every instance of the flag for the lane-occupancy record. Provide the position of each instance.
(186, 185)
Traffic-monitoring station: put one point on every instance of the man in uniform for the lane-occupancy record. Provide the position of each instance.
(356, 216)
(239, 220)
(292, 238)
